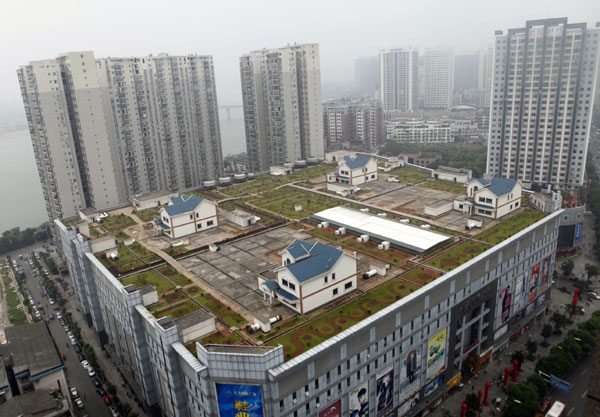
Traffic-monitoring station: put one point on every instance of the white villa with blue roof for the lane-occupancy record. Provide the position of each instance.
(354, 170)
(185, 215)
(493, 198)
(312, 274)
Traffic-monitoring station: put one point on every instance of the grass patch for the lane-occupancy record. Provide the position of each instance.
(341, 318)
(147, 215)
(288, 324)
(219, 338)
(226, 313)
(149, 278)
(177, 310)
(421, 276)
(176, 250)
(409, 175)
(458, 255)
(114, 225)
(174, 276)
(443, 185)
(282, 202)
(16, 316)
(510, 226)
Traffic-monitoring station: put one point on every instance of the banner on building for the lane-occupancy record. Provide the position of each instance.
(503, 305)
(436, 355)
(332, 410)
(407, 405)
(410, 372)
(385, 391)
(533, 282)
(433, 385)
(518, 295)
(235, 400)
(578, 233)
(358, 401)
(545, 274)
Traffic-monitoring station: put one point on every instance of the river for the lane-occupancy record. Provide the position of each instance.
(22, 201)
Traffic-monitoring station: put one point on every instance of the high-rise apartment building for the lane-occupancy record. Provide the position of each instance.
(366, 76)
(486, 70)
(543, 84)
(104, 130)
(77, 157)
(466, 71)
(281, 93)
(438, 78)
(399, 69)
(353, 120)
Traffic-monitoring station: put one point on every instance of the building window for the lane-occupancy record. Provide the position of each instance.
(335, 291)
(284, 282)
(210, 223)
(333, 276)
(325, 279)
(348, 285)
(292, 286)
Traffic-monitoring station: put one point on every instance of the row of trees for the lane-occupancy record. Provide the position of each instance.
(473, 157)
(524, 398)
(593, 198)
(16, 238)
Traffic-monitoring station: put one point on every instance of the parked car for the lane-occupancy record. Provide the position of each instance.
(100, 391)
(91, 371)
(77, 348)
(51, 316)
(85, 363)
(113, 412)
(73, 392)
(58, 315)
(106, 399)
(97, 383)
(80, 357)
(78, 402)
(73, 341)
(593, 295)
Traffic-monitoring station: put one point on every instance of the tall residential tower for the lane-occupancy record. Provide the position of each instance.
(543, 82)
(104, 130)
(438, 78)
(281, 93)
(399, 79)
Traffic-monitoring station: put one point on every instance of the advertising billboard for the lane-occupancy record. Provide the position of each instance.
(578, 233)
(385, 391)
(358, 401)
(533, 282)
(503, 306)
(235, 400)
(545, 274)
(407, 405)
(332, 410)
(436, 355)
(518, 295)
(433, 385)
(409, 372)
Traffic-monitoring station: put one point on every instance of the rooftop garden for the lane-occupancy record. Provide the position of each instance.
(510, 226)
(148, 214)
(114, 225)
(458, 255)
(420, 275)
(330, 324)
(409, 175)
(267, 182)
(283, 200)
(150, 277)
(220, 310)
(221, 338)
(130, 257)
(177, 310)
(443, 185)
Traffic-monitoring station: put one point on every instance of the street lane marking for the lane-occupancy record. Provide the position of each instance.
(584, 394)
(584, 371)
(570, 411)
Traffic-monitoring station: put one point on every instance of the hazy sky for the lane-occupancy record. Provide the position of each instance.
(38, 29)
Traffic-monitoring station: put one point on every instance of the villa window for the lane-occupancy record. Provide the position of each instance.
(335, 291)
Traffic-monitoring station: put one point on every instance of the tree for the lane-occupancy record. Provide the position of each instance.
(472, 402)
(517, 356)
(591, 270)
(546, 332)
(567, 267)
(559, 320)
(111, 389)
(522, 400)
(540, 384)
(531, 347)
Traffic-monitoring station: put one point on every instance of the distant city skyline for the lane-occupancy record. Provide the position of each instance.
(226, 36)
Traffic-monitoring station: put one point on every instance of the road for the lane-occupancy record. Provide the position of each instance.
(575, 399)
(76, 375)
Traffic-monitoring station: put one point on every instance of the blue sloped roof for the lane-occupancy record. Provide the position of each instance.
(499, 186)
(287, 295)
(321, 259)
(358, 162)
(271, 285)
(182, 204)
(299, 248)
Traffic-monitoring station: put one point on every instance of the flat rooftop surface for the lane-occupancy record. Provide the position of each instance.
(411, 237)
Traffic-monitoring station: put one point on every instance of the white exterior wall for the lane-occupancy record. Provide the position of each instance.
(183, 224)
(439, 210)
(448, 176)
(197, 330)
(360, 175)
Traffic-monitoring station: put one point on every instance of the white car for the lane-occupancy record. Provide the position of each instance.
(73, 341)
(58, 315)
(32, 302)
(74, 392)
(52, 301)
(91, 371)
(78, 402)
(85, 363)
(66, 328)
(593, 295)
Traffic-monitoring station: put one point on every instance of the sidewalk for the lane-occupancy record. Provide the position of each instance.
(89, 336)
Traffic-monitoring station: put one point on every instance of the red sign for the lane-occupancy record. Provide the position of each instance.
(334, 410)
